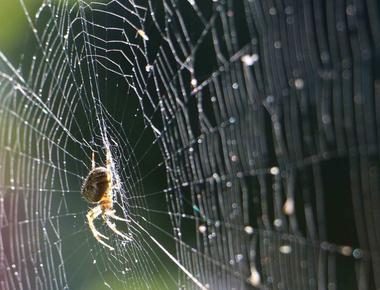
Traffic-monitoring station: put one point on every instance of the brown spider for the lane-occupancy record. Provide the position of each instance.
(97, 189)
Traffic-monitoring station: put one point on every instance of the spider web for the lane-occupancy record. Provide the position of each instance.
(245, 136)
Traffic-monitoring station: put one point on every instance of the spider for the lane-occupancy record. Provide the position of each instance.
(97, 189)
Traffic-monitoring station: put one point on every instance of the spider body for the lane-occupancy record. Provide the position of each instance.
(98, 188)
(97, 185)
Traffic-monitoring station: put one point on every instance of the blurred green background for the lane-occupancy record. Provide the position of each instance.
(14, 27)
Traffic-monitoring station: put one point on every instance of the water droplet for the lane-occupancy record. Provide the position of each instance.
(232, 120)
(202, 228)
(274, 170)
(277, 44)
(346, 251)
(234, 158)
(143, 34)
(285, 249)
(289, 206)
(357, 254)
(326, 119)
(248, 230)
(299, 84)
(350, 10)
(239, 257)
(277, 223)
(289, 10)
(272, 11)
(254, 279)
(250, 59)
(269, 99)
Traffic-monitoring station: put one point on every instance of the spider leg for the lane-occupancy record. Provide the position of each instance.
(108, 159)
(112, 226)
(93, 160)
(112, 214)
(115, 185)
(108, 166)
(105, 244)
(91, 215)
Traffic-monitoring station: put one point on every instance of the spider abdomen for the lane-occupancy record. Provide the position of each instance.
(96, 185)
